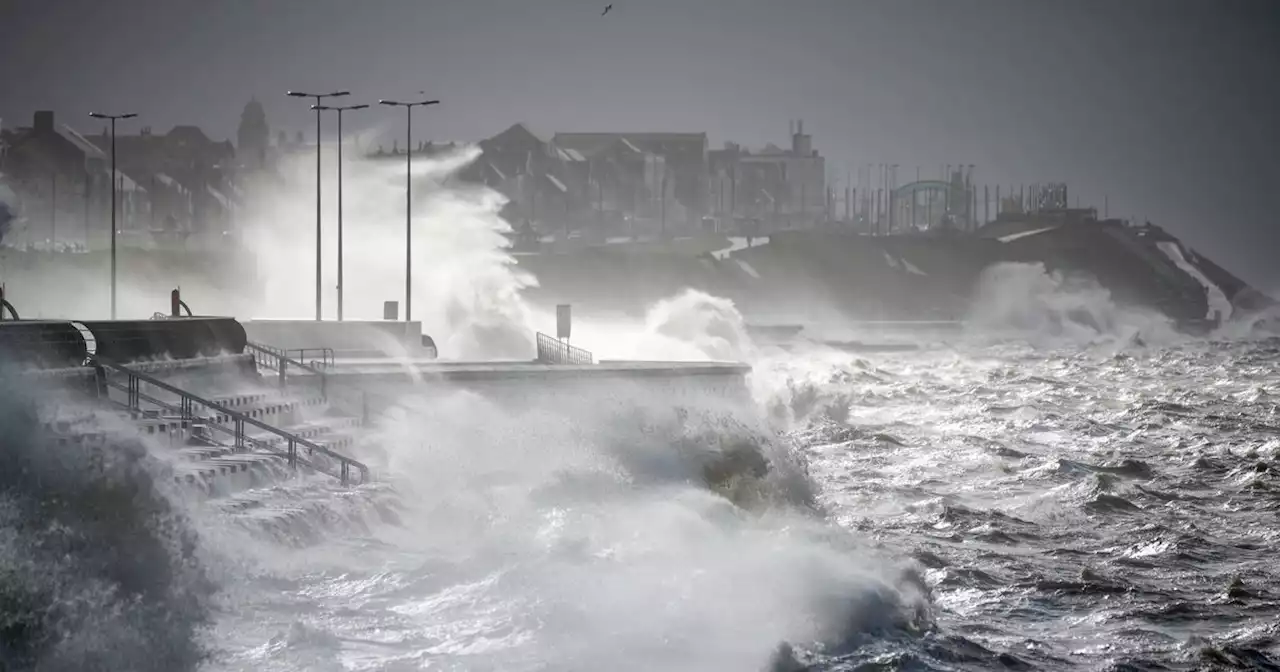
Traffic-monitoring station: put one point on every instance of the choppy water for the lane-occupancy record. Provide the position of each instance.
(974, 508)
(1102, 505)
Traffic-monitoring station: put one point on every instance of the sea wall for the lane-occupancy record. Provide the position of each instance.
(803, 276)
(526, 385)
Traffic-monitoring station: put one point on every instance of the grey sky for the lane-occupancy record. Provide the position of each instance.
(1167, 106)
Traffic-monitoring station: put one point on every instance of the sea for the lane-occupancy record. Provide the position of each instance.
(1060, 484)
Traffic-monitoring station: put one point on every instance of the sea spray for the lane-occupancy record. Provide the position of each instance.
(593, 533)
(1028, 302)
(98, 570)
(466, 288)
(689, 326)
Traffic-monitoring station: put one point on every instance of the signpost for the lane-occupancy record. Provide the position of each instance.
(564, 321)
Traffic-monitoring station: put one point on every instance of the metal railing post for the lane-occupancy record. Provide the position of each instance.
(133, 401)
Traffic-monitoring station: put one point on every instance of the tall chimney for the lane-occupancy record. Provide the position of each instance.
(44, 121)
(800, 143)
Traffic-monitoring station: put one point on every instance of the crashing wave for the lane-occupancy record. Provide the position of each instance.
(98, 571)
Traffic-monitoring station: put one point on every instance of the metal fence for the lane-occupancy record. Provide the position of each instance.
(279, 360)
(555, 351)
(189, 405)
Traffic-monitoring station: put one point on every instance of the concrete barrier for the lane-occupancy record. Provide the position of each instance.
(368, 337)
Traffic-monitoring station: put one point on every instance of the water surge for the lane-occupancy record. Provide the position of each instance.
(98, 570)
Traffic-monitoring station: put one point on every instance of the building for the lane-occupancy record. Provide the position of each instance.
(253, 137)
(546, 185)
(684, 158)
(60, 185)
(744, 189)
(803, 172)
(783, 187)
(187, 175)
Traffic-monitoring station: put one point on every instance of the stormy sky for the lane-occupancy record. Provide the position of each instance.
(1168, 109)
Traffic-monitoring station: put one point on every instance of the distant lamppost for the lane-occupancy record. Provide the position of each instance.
(318, 97)
(339, 109)
(113, 118)
(408, 198)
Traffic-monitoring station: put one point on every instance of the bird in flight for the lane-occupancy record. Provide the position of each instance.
(606, 10)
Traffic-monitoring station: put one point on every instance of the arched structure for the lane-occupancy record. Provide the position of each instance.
(920, 205)
(925, 204)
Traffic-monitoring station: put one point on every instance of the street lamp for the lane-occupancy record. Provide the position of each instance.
(339, 109)
(318, 97)
(113, 118)
(408, 197)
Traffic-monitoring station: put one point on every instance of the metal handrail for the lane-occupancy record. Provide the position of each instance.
(555, 351)
(241, 439)
(279, 360)
(327, 358)
(187, 407)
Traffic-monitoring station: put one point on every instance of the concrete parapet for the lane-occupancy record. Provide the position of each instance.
(377, 337)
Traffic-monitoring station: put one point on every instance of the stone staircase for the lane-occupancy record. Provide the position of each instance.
(214, 459)
(250, 482)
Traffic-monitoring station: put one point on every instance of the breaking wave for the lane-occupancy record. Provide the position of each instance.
(1026, 301)
(689, 326)
(466, 288)
(98, 571)
(601, 529)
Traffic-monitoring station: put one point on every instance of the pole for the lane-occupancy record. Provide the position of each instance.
(113, 219)
(408, 207)
(664, 200)
(318, 258)
(53, 210)
(87, 181)
(340, 286)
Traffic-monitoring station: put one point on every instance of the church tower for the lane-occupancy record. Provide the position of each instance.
(253, 136)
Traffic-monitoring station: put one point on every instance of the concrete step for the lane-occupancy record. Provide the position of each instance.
(306, 510)
(220, 474)
(253, 403)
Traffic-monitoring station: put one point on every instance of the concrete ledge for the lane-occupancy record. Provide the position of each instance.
(520, 370)
(386, 337)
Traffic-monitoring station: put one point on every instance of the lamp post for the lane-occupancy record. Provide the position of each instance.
(113, 118)
(318, 97)
(408, 197)
(339, 109)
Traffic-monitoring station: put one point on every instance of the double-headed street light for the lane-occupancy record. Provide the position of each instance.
(339, 109)
(408, 197)
(318, 97)
(113, 118)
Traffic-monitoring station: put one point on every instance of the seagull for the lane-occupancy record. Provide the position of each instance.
(606, 10)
